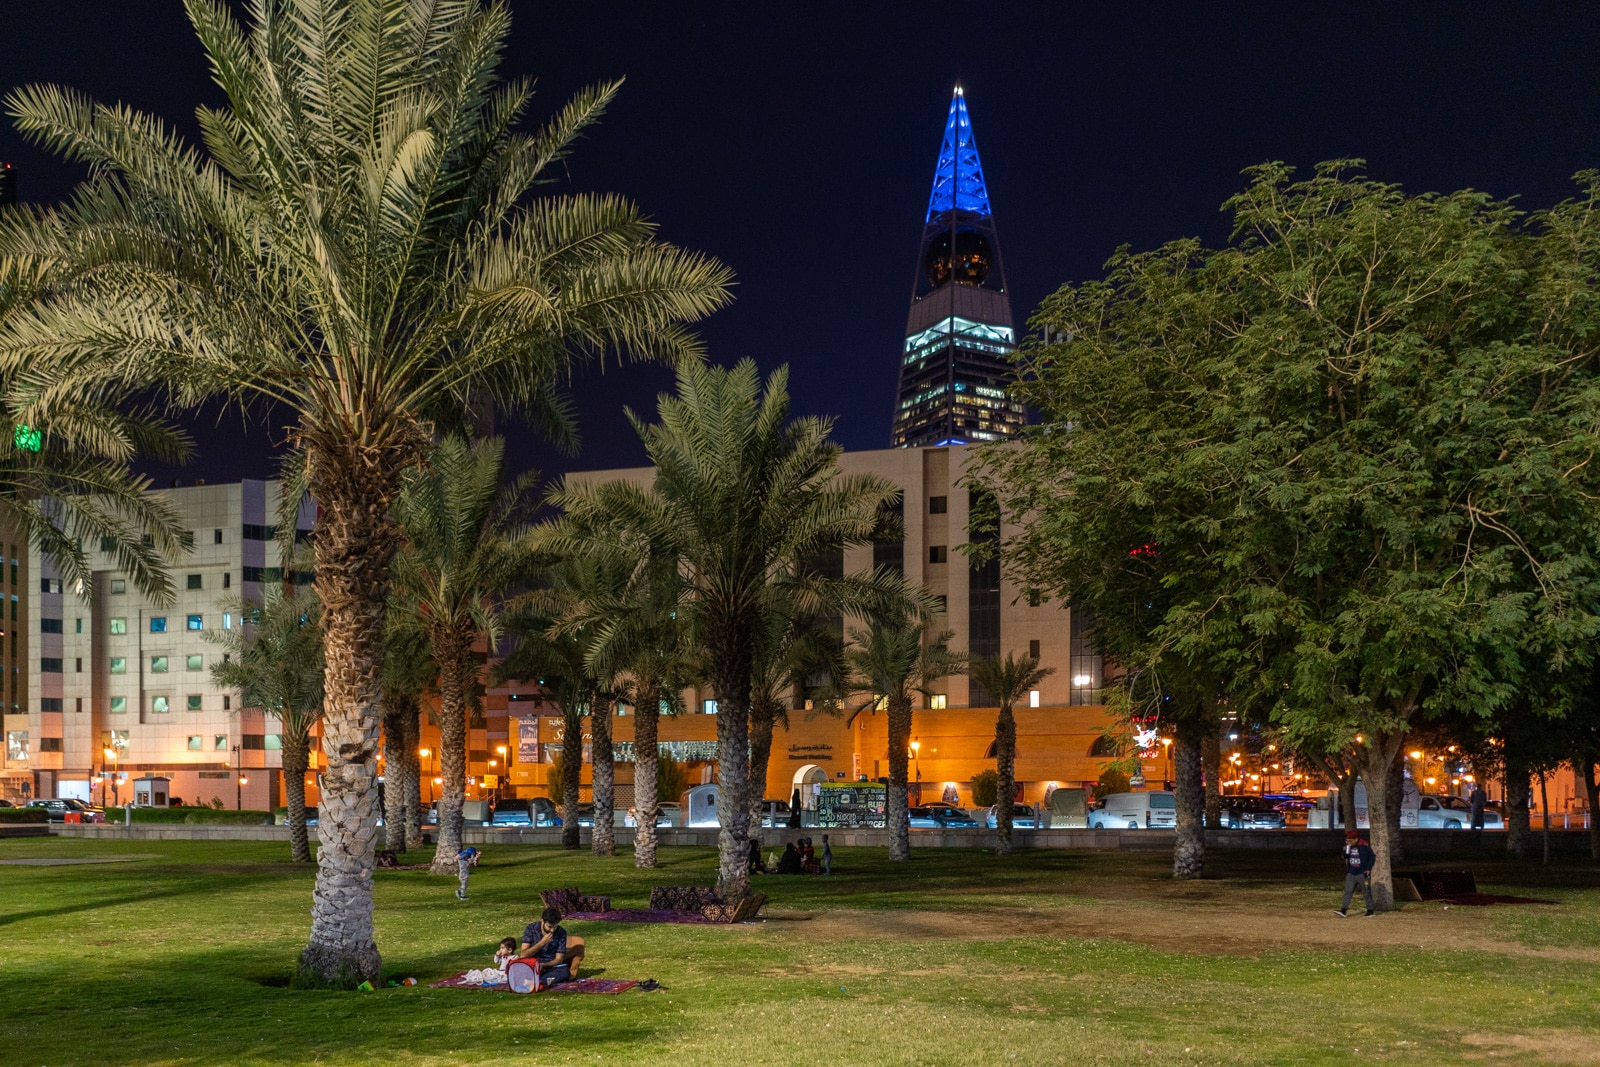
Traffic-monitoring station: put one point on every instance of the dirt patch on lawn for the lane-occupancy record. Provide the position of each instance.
(1542, 1046)
(1210, 929)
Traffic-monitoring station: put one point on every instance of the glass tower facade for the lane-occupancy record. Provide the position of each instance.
(954, 366)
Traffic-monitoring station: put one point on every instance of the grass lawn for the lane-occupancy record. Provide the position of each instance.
(180, 954)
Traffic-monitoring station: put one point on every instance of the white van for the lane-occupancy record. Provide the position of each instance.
(1156, 809)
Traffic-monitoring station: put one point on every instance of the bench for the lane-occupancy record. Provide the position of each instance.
(703, 901)
(569, 900)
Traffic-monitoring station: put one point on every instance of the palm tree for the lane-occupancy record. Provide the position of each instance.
(466, 544)
(408, 670)
(890, 660)
(557, 661)
(741, 494)
(356, 243)
(1008, 680)
(275, 662)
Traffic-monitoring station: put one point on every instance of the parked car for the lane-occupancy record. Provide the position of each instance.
(56, 809)
(672, 813)
(585, 814)
(1022, 817)
(1453, 813)
(922, 819)
(1157, 809)
(539, 811)
(1251, 813)
(663, 817)
(951, 818)
(775, 814)
(4, 803)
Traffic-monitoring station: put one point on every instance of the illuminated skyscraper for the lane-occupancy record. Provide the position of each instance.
(954, 366)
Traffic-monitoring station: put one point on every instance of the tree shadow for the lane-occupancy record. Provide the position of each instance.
(93, 905)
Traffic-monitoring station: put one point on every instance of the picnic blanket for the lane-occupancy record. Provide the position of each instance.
(642, 915)
(582, 985)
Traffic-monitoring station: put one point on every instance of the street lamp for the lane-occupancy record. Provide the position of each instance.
(111, 756)
(238, 791)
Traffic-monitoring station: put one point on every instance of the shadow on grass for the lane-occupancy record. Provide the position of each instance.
(98, 904)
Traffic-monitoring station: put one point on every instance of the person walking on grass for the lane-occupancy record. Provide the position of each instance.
(466, 859)
(1477, 801)
(1358, 861)
(827, 856)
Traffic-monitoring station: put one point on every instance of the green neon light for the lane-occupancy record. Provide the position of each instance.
(27, 439)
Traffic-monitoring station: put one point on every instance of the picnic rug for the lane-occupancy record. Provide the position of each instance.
(642, 915)
(582, 985)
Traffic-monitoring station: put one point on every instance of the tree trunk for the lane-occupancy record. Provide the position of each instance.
(458, 673)
(1591, 789)
(1347, 799)
(296, 761)
(1396, 794)
(1189, 851)
(396, 741)
(731, 682)
(355, 544)
(604, 839)
(1005, 769)
(413, 782)
(899, 819)
(1376, 759)
(1544, 805)
(645, 801)
(762, 717)
(571, 772)
(1211, 762)
(1519, 834)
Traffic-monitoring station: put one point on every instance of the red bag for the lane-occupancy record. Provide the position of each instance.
(522, 975)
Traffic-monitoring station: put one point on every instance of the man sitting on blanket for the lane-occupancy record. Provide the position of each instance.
(547, 942)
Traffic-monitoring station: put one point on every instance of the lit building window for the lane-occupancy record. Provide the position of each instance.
(938, 701)
(1033, 698)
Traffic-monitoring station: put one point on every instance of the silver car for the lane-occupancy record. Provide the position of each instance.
(1453, 813)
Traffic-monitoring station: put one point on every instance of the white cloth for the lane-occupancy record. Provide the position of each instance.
(487, 976)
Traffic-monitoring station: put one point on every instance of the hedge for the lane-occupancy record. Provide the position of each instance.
(196, 816)
(24, 815)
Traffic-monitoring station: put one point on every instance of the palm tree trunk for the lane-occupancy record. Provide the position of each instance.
(731, 682)
(355, 544)
(296, 761)
(458, 673)
(763, 714)
(571, 771)
(396, 708)
(1374, 759)
(413, 781)
(1519, 832)
(645, 801)
(1005, 769)
(1189, 851)
(604, 840)
(1211, 762)
(899, 759)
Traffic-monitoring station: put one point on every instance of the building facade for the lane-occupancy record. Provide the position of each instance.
(955, 365)
(121, 686)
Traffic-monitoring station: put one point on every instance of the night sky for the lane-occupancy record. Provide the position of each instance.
(797, 143)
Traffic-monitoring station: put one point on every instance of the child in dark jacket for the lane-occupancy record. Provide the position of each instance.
(1358, 861)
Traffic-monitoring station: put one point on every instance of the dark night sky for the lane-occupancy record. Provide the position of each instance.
(797, 142)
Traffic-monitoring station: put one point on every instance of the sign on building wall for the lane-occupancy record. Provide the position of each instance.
(528, 739)
(852, 804)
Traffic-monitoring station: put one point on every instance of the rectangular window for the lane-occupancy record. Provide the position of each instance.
(49, 626)
(196, 622)
(119, 585)
(938, 505)
(158, 665)
(259, 533)
(227, 579)
(119, 626)
(253, 742)
(50, 665)
(194, 742)
(50, 585)
(78, 664)
(274, 742)
(1033, 649)
(227, 620)
(49, 744)
(263, 574)
(195, 581)
(1033, 698)
(158, 624)
(1035, 598)
(216, 537)
(119, 705)
(227, 703)
(195, 702)
(16, 744)
(78, 710)
(108, 544)
(709, 707)
(160, 705)
(49, 703)
(219, 742)
(195, 662)
(939, 701)
(942, 602)
(77, 626)
(938, 554)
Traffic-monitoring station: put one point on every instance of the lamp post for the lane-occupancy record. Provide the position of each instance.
(111, 757)
(425, 753)
(238, 790)
(505, 761)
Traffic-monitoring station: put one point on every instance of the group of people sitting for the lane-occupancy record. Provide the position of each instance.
(547, 941)
(799, 857)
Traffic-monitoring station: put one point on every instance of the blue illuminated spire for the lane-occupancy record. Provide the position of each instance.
(958, 179)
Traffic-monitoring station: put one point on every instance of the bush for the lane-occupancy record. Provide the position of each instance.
(24, 815)
(985, 788)
(197, 816)
(1111, 781)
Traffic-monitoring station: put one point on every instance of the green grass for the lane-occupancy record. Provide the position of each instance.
(182, 955)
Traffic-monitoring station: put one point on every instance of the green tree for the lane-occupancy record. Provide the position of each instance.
(556, 659)
(466, 544)
(741, 495)
(275, 662)
(890, 660)
(355, 243)
(1008, 681)
(985, 787)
